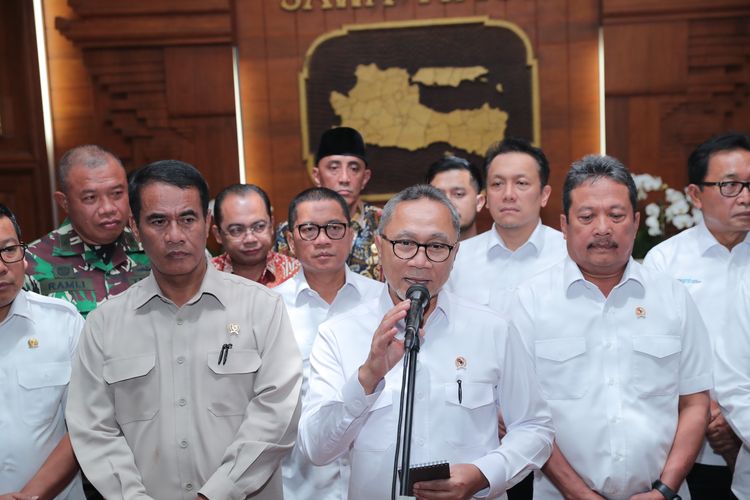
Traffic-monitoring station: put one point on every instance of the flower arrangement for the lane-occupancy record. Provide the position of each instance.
(668, 213)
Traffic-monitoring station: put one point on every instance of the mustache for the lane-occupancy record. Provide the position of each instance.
(605, 242)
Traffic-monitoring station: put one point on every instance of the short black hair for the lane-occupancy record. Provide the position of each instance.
(7, 212)
(88, 155)
(701, 156)
(517, 145)
(593, 167)
(239, 190)
(174, 172)
(316, 194)
(450, 162)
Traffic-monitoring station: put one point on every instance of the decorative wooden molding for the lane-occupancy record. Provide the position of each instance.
(148, 23)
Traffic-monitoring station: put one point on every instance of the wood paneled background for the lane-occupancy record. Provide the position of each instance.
(152, 79)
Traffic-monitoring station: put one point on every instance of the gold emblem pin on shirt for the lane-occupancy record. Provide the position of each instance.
(460, 362)
(233, 329)
(640, 312)
(33, 343)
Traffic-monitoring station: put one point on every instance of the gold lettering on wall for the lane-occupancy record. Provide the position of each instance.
(297, 5)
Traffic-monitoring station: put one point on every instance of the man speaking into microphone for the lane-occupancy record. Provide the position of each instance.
(470, 363)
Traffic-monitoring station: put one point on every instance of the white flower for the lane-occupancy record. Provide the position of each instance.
(652, 222)
(645, 183)
(673, 196)
(676, 209)
(652, 210)
(682, 221)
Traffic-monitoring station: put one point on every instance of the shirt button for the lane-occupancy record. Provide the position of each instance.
(613, 420)
(611, 381)
(183, 444)
(188, 486)
(420, 442)
(179, 321)
(181, 402)
(420, 396)
(180, 360)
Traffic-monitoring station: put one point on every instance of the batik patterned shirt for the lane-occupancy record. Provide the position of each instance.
(279, 268)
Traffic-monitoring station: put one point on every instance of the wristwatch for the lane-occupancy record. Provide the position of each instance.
(665, 490)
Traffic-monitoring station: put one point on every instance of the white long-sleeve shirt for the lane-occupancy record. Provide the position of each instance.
(732, 378)
(462, 341)
(307, 310)
(709, 271)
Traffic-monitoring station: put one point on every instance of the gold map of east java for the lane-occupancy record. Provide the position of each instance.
(384, 106)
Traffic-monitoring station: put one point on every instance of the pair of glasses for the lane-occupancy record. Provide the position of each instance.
(729, 189)
(407, 249)
(310, 231)
(239, 231)
(13, 253)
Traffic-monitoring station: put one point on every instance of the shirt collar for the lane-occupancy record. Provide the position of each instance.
(301, 285)
(707, 241)
(572, 273)
(19, 307)
(535, 241)
(267, 276)
(212, 284)
(70, 243)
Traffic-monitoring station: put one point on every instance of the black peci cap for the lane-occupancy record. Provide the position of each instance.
(341, 141)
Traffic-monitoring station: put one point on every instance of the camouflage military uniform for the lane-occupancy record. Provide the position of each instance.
(61, 265)
(364, 258)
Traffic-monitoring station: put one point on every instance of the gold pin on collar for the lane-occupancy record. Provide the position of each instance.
(33, 343)
(640, 312)
(460, 362)
(233, 329)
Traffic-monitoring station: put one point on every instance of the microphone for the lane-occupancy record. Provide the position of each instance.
(420, 297)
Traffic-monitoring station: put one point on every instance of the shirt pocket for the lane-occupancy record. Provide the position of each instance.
(562, 367)
(134, 383)
(231, 385)
(42, 389)
(474, 419)
(656, 364)
(380, 427)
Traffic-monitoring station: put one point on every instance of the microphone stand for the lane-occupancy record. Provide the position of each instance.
(406, 414)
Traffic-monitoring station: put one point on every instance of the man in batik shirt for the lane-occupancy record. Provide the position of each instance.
(341, 165)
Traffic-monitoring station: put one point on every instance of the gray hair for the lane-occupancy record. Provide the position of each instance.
(89, 155)
(419, 192)
(593, 167)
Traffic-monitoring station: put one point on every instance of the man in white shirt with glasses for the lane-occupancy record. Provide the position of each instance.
(470, 362)
(709, 259)
(320, 235)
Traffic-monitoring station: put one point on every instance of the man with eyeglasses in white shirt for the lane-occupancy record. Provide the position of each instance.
(710, 259)
(320, 235)
(38, 339)
(470, 362)
(243, 226)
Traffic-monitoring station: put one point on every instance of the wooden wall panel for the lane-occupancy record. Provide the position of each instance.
(24, 178)
(677, 72)
(563, 34)
(149, 80)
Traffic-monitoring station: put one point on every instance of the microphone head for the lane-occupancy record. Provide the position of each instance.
(418, 293)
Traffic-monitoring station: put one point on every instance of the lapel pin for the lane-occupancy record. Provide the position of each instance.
(640, 312)
(233, 329)
(460, 362)
(33, 343)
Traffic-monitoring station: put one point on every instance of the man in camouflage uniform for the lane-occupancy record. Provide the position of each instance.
(341, 165)
(92, 255)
